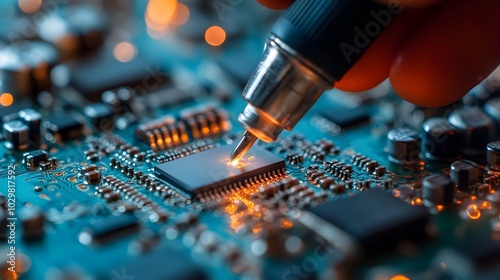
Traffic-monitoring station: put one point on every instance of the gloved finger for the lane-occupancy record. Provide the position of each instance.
(282, 4)
(374, 66)
(449, 54)
(410, 3)
(275, 4)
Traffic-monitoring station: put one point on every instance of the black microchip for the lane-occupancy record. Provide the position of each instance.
(211, 170)
(100, 115)
(164, 263)
(375, 219)
(346, 117)
(474, 256)
(92, 76)
(63, 127)
(109, 229)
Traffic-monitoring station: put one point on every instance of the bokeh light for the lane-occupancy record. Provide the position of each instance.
(124, 51)
(159, 13)
(215, 36)
(6, 99)
(29, 6)
(181, 15)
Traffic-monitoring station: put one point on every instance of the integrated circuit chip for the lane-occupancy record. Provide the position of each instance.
(63, 127)
(166, 262)
(346, 117)
(204, 174)
(370, 222)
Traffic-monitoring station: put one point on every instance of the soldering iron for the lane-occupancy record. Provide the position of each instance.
(311, 46)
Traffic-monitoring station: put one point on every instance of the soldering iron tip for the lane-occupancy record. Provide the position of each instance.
(242, 148)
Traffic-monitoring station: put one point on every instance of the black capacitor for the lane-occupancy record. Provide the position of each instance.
(493, 154)
(17, 135)
(100, 115)
(25, 68)
(464, 173)
(33, 120)
(477, 129)
(441, 139)
(437, 189)
(74, 30)
(403, 145)
(33, 222)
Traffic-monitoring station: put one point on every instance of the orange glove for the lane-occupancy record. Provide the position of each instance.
(434, 52)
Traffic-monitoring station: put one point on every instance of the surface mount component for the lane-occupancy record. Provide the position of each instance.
(464, 173)
(346, 117)
(441, 141)
(63, 127)
(17, 135)
(477, 129)
(372, 221)
(403, 145)
(438, 190)
(209, 172)
(109, 229)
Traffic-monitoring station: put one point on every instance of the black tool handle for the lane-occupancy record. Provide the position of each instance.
(333, 34)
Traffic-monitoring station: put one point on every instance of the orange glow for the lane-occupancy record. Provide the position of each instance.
(416, 201)
(396, 193)
(399, 277)
(124, 51)
(6, 99)
(29, 6)
(256, 229)
(485, 205)
(231, 209)
(215, 36)
(181, 15)
(473, 212)
(239, 219)
(439, 207)
(286, 224)
(159, 13)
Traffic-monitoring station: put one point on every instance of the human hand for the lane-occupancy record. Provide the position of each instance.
(434, 52)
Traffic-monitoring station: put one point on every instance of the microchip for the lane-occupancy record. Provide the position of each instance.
(109, 229)
(165, 263)
(100, 115)
(91, 77)
(205, 173)
(474, 256)
(369, 222)
(63, 127)
(346, 117)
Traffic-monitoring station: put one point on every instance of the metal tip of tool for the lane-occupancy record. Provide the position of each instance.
(242, 147)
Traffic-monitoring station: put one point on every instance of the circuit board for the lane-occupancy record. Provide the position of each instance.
(125, 175)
